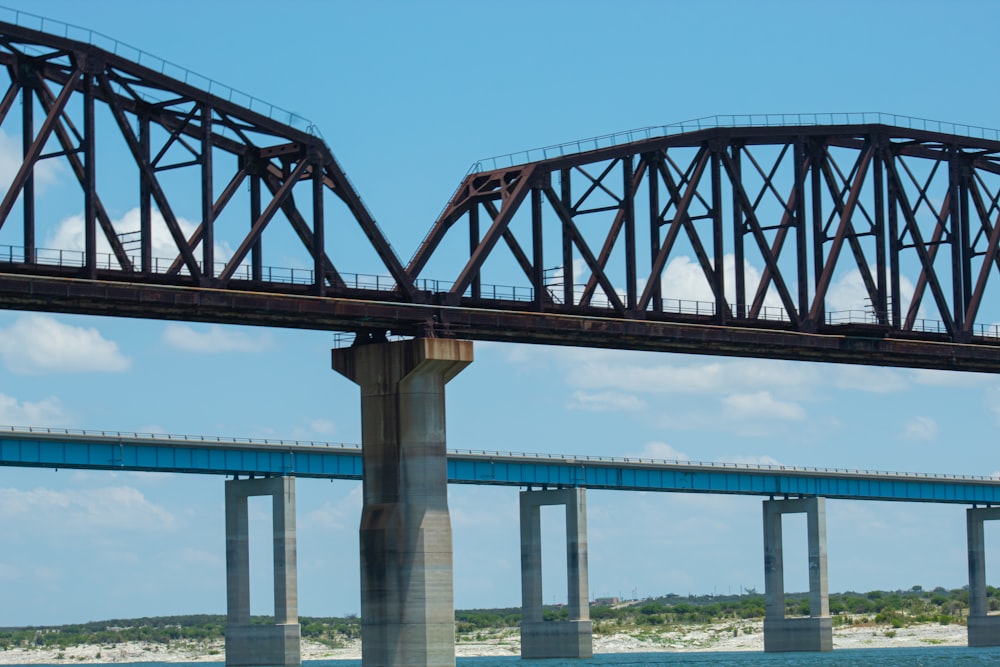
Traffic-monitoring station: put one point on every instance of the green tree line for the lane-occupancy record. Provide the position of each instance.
(896, 608)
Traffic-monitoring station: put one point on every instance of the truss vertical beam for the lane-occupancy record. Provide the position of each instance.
(28, 199)
(739, 232)
(569, 274)
(895, 294)
(718, 259)
(878, 172)
(89, 178)
(145, 198)
(257, 251)
(319, 230)
(537, 253)
(800, 161)
(954, 217)
(653, 161)
(207, 196)
(628, 213)
(477, 282)
(963, 223)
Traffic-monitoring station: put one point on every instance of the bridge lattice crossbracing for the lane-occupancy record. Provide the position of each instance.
(734, 240)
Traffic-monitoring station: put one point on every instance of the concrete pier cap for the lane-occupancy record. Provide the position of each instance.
(407, 587)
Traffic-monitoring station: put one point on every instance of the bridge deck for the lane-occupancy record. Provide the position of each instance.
(187, 454)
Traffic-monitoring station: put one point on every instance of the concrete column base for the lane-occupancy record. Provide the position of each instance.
(984, 630)
(557, 639)
(407, 590)
(798, 634)
(263, 645)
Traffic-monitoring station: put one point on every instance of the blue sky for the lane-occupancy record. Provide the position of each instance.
(408, 96)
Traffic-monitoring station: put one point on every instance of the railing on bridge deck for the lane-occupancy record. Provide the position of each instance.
(117, 450)
(734, 121)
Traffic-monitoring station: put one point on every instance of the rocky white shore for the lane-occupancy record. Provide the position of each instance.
(734, 636)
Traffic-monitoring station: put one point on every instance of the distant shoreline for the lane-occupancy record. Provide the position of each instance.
(724, 636)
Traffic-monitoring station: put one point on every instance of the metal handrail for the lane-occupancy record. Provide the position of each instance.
(150, 61)
(518, 293)
(731, 120)
(493, 454)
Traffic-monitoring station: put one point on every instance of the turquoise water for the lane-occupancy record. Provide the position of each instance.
(938, 656)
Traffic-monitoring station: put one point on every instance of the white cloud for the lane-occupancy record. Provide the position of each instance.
(69, 235)
(322, 426)
(37, 344)
(920, 428)
(684, 279)
(661, 451)
(213, 339)
(606, 401)
(934, 378)
(848, 293)
(340, 515)
(46, 171)
(46, 412)
(870, 379)
(86, 510)
(761, 405)
(751, 460)
(711, 377)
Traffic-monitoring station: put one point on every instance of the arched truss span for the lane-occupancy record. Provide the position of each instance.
(856, 243)
(239, 172)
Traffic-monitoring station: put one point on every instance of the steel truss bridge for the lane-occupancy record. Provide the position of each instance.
(51, 448)
(768, 219)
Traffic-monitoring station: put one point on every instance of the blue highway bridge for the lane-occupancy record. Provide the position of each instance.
(109, 450)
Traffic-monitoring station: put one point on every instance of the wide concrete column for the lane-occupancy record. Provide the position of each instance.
(572, 638)
(983, 629)
(812, 633)
(275, 645)
(407, 596)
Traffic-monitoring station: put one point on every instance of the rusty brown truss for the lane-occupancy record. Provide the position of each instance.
(767, 221)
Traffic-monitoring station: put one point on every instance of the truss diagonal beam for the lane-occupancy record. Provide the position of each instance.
(844, 230)
(35, 150)
(260, 223)
(495, 232)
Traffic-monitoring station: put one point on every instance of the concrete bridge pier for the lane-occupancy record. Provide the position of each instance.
(572, 638)
(812, 633)
(407, 589)
(274, 645)
(983, 629)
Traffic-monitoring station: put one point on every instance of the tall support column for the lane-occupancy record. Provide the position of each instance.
(246, 644)
(407, 597)
(812, 633)
(984, 630)
(572, 638)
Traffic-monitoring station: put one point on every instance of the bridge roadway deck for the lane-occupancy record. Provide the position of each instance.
(196, 454)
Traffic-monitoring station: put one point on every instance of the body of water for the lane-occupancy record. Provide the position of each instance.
(941, 656)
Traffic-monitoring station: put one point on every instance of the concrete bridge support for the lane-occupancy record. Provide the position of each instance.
(407, 589)
(984, 630)
(812, 633)
(275, 645)
(572, 638)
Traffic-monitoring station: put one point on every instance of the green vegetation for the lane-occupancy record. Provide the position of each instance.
(895, 609)
(164, 630)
